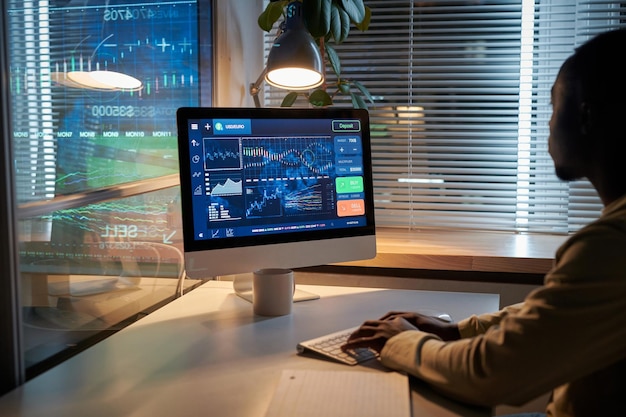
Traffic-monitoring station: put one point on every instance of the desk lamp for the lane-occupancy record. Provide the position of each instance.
(294, 61)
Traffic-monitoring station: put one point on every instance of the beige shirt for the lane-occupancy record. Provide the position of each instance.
(568, 336)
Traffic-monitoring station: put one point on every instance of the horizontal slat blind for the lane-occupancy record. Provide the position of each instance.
(462, 104)
(33, 144)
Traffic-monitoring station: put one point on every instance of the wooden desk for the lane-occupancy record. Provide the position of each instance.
(206, 353)
(463, 251)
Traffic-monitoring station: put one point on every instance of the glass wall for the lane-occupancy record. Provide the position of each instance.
(93, 88)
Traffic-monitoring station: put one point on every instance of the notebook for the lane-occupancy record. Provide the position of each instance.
(315, 393)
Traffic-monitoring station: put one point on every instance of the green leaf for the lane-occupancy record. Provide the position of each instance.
(320, 98)
(357, 102)
(364, 91)
(317, 16)
(355, 9)
(289, 99)
(271, 14)
(339, 24)
(365, 23)
(344, 87)
(333, 58)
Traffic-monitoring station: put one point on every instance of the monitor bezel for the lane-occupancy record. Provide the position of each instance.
(193, 245)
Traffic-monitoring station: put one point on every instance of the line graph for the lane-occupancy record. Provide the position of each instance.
(263, 202)
(221, 154)
(287, 157)
(287, 176)
(223, 185)
(282, 200)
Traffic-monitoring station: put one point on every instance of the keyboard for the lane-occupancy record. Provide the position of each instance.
(329, 346)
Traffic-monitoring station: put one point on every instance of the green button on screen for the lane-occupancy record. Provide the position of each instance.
(349, 185)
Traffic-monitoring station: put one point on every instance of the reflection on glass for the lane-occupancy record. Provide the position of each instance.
(96, 91)
(95, 85)
(90, 271)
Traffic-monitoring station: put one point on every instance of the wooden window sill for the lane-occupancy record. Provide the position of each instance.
(463, 251)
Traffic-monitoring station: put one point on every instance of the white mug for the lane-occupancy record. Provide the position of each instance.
(272, 291)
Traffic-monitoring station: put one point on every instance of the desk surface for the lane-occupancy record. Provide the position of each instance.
(206, 353)
(470, 251)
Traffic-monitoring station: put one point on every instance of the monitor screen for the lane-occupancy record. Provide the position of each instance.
(274, 188)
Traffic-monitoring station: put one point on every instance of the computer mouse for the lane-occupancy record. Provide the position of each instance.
(435, 313)
(444, 317)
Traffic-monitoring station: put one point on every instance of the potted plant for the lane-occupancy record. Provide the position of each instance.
(328, 22)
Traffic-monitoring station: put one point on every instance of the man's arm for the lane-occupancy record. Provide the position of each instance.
(572, 326)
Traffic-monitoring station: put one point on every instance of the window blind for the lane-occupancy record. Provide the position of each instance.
(33, 141)
(462, 103)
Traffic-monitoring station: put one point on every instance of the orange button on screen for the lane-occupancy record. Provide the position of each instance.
(350, 208)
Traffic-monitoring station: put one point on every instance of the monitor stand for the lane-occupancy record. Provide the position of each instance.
(242, 284)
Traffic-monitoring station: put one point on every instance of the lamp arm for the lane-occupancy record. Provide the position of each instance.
(255, 88)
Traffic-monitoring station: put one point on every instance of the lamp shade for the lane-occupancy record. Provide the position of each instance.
(102, 80)
(294, 61)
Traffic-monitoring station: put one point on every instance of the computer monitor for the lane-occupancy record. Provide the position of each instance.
(274, 188)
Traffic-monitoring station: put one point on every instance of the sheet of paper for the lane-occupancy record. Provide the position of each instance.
(312, 393)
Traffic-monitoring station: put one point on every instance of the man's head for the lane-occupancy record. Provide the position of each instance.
(588, 125)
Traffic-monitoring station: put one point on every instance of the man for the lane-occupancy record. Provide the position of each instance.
(568, 336)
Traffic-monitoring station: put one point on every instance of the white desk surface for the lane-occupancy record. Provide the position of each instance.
(207, 354)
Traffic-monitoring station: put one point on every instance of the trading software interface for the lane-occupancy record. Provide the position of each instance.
(253, 177)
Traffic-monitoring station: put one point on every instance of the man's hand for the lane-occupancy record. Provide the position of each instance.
(429, 324)
(375, 333)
